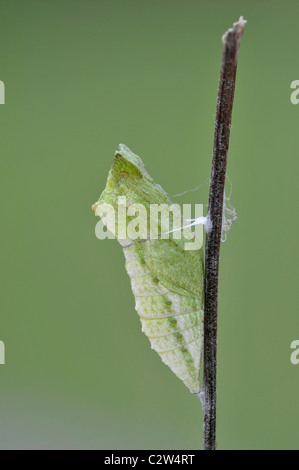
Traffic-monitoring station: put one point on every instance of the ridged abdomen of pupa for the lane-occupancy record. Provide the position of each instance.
(171, 318)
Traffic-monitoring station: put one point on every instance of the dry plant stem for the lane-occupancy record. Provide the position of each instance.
(231, 42)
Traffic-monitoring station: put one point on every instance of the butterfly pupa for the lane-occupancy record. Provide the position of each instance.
(166, 279)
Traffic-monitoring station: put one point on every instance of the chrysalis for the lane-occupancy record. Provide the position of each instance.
(166, 279)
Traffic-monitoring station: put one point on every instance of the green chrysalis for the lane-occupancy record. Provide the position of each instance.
(166, 279)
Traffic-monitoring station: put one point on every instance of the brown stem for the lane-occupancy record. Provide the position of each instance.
(231, 43)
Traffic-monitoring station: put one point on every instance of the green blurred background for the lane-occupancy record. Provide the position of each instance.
(81, 77)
